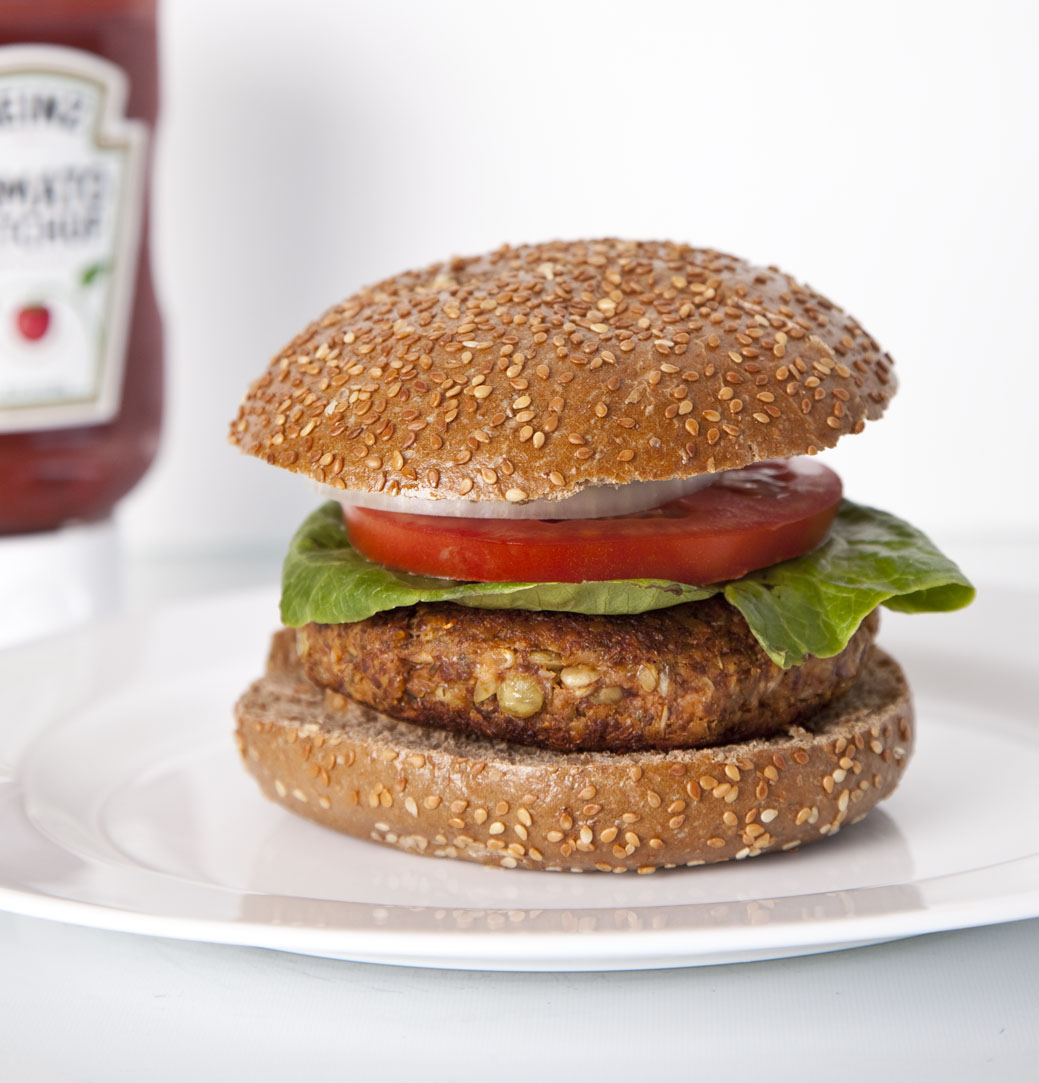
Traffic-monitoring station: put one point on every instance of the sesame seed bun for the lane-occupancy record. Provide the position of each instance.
(531, 373)
(431, 792)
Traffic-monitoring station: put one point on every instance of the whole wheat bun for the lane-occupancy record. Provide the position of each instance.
(531, 373)
(430, 792)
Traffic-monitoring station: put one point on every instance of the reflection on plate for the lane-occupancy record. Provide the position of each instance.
(123, 806)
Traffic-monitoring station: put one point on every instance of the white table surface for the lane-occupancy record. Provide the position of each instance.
(82, 1004)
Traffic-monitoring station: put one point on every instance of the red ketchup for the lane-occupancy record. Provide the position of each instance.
(80, 333)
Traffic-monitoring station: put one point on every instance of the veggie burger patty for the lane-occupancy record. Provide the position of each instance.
(685, 677)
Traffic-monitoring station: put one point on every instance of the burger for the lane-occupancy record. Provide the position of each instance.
(578, 597)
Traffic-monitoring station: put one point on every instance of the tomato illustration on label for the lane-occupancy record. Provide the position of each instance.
(33, 321)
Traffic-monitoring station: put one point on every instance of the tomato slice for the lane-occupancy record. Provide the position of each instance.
(747, 519)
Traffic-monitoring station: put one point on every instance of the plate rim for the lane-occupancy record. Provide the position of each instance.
(511, 949)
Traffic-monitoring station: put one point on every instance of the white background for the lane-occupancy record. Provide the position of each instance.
(885, 153)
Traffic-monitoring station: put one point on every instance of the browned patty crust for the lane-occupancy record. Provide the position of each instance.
(690, 676)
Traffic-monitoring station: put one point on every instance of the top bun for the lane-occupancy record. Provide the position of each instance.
(534, 372)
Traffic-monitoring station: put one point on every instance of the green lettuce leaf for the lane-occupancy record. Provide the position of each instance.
(814, 604)
(811, 605)
(326, 580)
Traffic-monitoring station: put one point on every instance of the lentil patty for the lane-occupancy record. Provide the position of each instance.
(690, 676)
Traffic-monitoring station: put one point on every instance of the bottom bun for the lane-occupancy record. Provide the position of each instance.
(427, 791)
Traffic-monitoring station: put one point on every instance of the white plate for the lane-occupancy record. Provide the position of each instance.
(123, 806)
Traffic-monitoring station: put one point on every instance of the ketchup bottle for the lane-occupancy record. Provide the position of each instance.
(80, 333)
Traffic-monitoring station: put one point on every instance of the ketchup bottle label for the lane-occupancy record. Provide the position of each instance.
(71, 198)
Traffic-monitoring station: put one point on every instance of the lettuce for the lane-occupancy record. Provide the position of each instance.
(810, 605)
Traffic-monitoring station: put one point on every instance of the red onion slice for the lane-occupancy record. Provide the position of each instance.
(594, 502)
